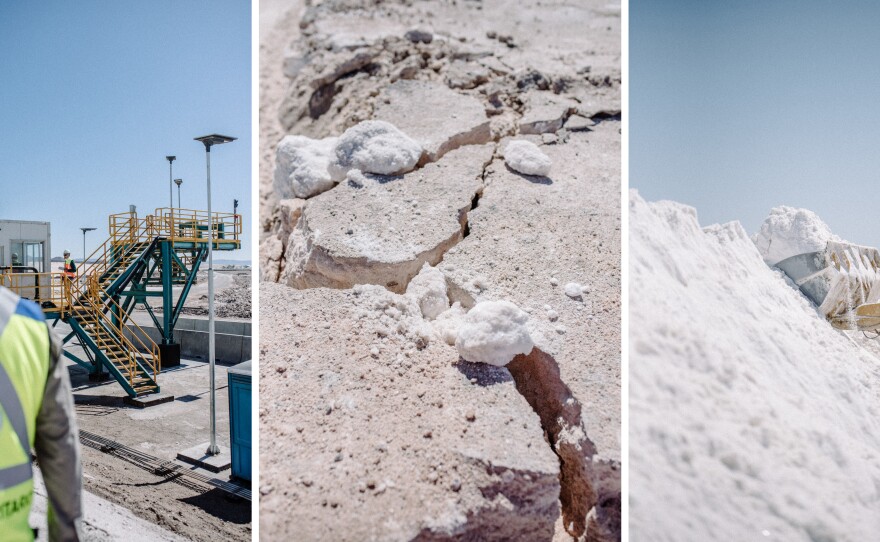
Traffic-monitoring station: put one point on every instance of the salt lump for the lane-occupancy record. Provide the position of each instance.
(302, 166)
(525, 157)
(573, 290)
(429, 290)
(493, 332)
(376, 146)
(790, 231)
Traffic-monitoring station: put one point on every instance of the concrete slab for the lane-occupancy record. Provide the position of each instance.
(197, 456)
(148, 400)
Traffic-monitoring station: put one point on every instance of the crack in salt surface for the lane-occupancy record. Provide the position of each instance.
(585, 503)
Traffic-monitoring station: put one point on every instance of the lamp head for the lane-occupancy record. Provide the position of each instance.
(214, 139)
(171, 158)
(178, 182)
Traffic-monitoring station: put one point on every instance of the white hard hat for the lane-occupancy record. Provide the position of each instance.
(67, 252)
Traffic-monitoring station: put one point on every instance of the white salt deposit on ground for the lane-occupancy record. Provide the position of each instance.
(573, 290)
(494, 332)
(790, 231)
(447, 323)
(751, 418)
(302, 166)
(429, 289)
(376, 146)
(525, 157)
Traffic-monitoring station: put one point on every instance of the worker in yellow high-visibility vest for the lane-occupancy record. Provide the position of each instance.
(36, 410)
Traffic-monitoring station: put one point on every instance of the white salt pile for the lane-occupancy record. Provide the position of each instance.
(790, 231)
(525, 157)
(302, 167)
(429, 290)
(494, 332)
(750, 411)
(376, 146)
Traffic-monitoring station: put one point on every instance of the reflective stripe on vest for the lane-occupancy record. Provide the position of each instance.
(68, 266)
(9, 402)
(24, 366)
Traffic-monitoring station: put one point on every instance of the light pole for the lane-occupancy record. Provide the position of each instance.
(170, 189)
(178, 182)
(209, 141)
(85, 230)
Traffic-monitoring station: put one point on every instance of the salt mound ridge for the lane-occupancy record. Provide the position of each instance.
(753, 417)
(790, 231)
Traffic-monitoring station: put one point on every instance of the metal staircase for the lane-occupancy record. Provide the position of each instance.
(141, 254)
(99, 323)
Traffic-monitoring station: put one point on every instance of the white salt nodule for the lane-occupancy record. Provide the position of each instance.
(790, 231)
(376, 146)
(573, 290)
(302, 166)
(525, 157)
(494, 332)
(428, 288)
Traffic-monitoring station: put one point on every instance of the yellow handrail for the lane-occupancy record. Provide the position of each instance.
(93, 310)
(194, 226)
(40, 288)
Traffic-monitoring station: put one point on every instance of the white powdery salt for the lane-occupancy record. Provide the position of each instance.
(525, 157)
(375, 146)
(302, 167)
(790, 231)
(448, 322)
(494, 332)
(428, 288)
(748, 408)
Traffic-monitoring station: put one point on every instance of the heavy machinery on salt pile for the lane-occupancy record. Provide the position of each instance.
(144, 258)
(843, 281)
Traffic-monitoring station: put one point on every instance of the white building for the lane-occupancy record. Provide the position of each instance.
(25, 243)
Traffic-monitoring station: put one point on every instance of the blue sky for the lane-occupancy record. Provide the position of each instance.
(736, 107)
(95, 94)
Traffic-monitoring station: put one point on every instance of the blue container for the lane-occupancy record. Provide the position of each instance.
(240, 419)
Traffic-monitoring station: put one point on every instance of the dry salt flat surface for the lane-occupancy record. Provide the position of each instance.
(373, 426)
(751, 418)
